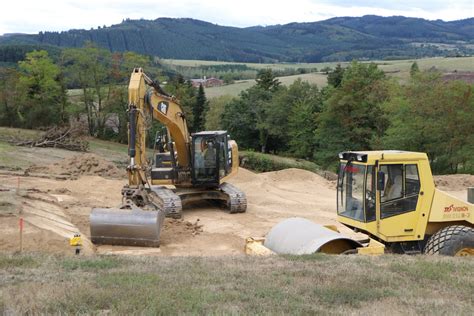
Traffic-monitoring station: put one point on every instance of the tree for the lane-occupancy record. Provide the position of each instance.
(9, 97)
(304, 102)
(43, 96)
(266, 80)
(414, 69)
(335, 76)
(131, 60)
(239, 120)
(199, 109)
(434, 116)
(214, 114)
(352, 117)
(90, 69)
(186, 95)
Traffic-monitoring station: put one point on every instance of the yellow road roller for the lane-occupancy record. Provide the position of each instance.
(390, 196)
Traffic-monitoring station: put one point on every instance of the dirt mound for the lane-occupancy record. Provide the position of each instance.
(291, 175)
(244, 175)
(85, 164)
(295, 175)
(454, 182)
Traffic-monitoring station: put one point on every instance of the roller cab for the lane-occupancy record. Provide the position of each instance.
(391, 196)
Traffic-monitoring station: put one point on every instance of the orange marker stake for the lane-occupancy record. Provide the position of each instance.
(21, 233)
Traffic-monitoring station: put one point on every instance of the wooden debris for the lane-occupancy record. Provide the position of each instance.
(57, 137)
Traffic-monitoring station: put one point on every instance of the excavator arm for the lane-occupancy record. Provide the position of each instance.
(147, 103)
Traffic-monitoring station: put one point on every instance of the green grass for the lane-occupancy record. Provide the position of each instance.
(315, 284)
(87, 264)
(235, 88)
(8, 133)
(260, 162)
(17, 261)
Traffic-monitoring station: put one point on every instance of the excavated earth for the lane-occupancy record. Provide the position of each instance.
(55, 202)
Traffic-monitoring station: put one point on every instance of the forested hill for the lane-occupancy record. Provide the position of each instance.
(336, 39)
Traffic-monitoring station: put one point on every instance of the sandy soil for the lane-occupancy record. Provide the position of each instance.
(56, 209)
(75, 166)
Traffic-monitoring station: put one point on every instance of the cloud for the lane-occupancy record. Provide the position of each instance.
(28, 16)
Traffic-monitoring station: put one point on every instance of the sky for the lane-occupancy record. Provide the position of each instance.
(32, 16)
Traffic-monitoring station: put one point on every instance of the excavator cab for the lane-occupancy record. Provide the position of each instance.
(211, 158)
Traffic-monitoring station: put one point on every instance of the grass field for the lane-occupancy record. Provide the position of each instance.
(235, 88)
(444, 64)
(315, 284)
(396, 68)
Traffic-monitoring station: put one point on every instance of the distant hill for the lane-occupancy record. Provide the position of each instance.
(336, 39)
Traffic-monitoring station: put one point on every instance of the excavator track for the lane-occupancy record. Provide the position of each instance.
(168, 201)
(237, 201)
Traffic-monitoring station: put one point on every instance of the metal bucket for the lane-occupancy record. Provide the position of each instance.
(298, 236)
(126, 227)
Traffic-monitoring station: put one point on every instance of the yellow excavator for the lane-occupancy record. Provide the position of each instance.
(187, 168)
(391, 197)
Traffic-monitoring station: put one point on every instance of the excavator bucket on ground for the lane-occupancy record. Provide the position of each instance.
(299, 236)
(129, 227)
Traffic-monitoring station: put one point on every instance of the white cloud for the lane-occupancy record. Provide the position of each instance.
(30, 16)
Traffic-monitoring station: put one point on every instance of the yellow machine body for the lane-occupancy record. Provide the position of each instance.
(151, 103)
(186, 168)
(390, 196)
(433, 210)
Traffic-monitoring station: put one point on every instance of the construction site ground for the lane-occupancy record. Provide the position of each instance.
(54, 191)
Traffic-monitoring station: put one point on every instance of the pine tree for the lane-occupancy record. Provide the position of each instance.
(266, 80)
(335, 77)
(414, 69)
(199, 109)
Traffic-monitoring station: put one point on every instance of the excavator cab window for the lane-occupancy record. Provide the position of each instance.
(209, 152)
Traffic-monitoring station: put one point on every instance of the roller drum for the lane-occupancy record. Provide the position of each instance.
(126, 227)
(298, 236)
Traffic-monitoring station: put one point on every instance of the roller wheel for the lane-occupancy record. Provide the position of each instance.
(455, 240)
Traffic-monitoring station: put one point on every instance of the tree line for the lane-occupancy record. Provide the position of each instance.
(360, 109)
(86, 85)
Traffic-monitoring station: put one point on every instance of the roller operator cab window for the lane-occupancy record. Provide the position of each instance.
(350, 191)
(402, 186)
(370, 196)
